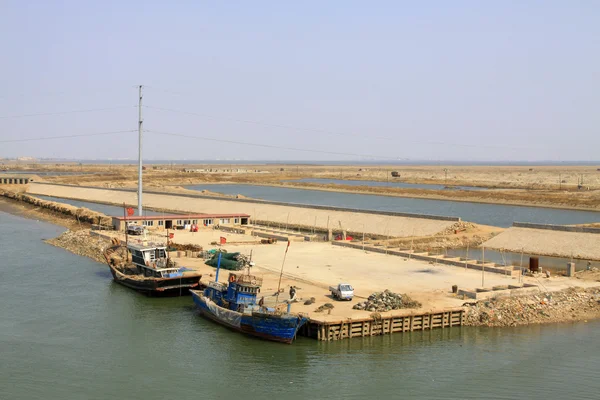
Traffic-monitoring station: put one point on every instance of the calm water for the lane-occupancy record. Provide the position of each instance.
(487, 214)
(508, 258)
(386, 184)
(68, 332)
(103, 208)
(47, 173)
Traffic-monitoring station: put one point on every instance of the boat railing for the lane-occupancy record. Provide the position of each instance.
(217, 286)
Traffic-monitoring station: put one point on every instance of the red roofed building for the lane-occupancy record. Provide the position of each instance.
(180, 221)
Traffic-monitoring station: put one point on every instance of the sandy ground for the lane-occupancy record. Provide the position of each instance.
(313, 267)
(384, 225)
(584, 246)
(514, 176)
(548, 186)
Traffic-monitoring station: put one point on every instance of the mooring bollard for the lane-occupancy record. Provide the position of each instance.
(571, 269)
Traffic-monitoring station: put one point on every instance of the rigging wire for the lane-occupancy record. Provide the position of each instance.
(64, 112)
(65, 136)
(328, 132)
(271, 146)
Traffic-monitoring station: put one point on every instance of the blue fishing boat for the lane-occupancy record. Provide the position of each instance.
(234, 306)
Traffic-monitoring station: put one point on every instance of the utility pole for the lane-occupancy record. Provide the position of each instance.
(140, 130)
(559, 181)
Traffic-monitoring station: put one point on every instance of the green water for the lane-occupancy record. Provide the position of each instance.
(68, 332)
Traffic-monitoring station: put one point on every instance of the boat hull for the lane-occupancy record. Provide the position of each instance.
(179, 286)
(278, 328)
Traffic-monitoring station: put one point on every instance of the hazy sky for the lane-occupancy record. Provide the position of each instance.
(436, 80)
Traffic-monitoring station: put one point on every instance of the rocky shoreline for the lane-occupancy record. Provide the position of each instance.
(82, 243)
(573, 304)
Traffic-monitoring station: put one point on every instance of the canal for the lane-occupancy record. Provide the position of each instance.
(391, 183)
(68, 332)
(113, 211)
(487, 214)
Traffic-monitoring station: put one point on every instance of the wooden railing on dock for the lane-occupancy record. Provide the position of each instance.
(382, 325)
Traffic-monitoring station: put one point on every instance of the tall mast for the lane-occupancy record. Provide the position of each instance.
(140, 130)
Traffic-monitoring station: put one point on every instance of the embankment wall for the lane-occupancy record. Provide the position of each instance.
(371, 222)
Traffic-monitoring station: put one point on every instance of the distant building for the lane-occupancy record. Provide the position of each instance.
(181, 221)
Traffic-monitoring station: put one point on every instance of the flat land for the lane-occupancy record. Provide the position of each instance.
(575, 187)
(313, 267)
(580, 245)
(377, 224)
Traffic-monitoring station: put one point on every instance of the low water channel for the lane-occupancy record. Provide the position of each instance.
(555, 264)
(391, 183)
(487, 214)
(112, 211)
(68, 332)
(46, 173)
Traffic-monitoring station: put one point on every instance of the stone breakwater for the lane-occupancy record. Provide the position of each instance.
(82, 243)
(81, 214)
(571, 304)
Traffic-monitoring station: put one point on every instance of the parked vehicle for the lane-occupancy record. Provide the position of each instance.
(343, 291)
(135, 229)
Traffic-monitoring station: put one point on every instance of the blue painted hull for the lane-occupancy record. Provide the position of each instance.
(279, 328)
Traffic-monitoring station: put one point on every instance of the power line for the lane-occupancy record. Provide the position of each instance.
(169, 91)
(86, 92)
(64, 136)
(271, 146)
(328, 132)
(64, 112)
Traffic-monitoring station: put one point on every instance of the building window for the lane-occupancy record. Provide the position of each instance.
(149, 223)
(178, 222)
(208, 222)
(195, 221)
(186, 222)
(236, 220)
(161, 223)
(224, 220)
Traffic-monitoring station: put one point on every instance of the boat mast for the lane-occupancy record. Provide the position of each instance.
(140, 130)
(125, 216)
(281, 274)
(218, 267)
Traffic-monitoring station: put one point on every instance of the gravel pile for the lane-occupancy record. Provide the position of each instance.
(566, 305)
(81, 243)
(386, 301)
(457, 226)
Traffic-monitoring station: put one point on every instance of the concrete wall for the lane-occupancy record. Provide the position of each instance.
(563, 228)
(11, 180)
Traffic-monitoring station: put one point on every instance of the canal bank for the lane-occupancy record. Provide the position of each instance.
(482, 213)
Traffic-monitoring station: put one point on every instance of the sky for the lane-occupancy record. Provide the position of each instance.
(340, 80)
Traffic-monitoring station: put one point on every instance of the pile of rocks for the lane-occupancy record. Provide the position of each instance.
(566, 305)
(457, 226)
(386, 301)
(81, 243)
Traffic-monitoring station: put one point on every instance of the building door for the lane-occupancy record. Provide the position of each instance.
(169, 224)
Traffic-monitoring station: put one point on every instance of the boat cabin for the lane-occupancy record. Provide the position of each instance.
(152, 261)
(239, 293)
